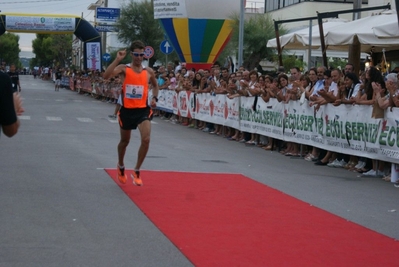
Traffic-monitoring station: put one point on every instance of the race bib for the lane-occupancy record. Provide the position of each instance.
(134, 91)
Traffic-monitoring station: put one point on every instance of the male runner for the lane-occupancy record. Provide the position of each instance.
(134, 112)
(14, 78)
(58, 77)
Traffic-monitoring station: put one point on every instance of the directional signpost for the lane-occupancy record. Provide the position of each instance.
(107, 16)
(107, 57)
(166, 48)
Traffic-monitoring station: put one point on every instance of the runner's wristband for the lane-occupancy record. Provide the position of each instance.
(156, 98)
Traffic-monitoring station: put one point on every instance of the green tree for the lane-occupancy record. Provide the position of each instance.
(290, 61)
(52, 50)
(337, 63)
(258, 29)
(42, 49)
(9, 49)
(61, 48)
(137, 23)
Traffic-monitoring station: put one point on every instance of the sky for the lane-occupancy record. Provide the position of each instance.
(49, 7)
(64, 7)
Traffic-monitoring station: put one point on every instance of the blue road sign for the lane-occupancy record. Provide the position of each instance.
(107, 57)
(166, 48)
(106, 28)
(109, 15)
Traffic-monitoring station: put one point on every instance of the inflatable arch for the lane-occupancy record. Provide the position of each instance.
(57, 24)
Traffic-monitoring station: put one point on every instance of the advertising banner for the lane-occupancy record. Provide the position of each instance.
(347, 129)
(183, 103)
(38, 24)
(93, 53)
(165, 100)
(164, 9)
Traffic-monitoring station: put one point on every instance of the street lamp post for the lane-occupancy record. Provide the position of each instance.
(104, 47)
(94, 6)
(241, 34)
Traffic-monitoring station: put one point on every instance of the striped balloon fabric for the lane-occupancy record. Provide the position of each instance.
(197, 41)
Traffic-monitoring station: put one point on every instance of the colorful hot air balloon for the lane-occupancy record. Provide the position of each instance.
(197, 30)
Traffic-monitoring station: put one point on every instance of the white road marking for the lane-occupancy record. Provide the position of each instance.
(60, 100)
(153, 122)
(53, 118)
(77, 101)
(24, 117)
(50, 118)
(84, 119)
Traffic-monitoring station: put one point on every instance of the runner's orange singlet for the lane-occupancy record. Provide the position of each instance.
(135, 89)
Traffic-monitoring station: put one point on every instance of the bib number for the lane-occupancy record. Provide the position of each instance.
(134, 91)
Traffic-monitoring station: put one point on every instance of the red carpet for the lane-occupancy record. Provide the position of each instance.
(231, 220)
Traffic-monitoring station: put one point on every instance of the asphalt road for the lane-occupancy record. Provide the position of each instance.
(58, 207)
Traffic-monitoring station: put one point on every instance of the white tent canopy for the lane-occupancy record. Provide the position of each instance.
(339, 37)
(388, 30)
(300, 39)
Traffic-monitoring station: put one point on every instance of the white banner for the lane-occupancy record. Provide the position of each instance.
(389, 136)
(93, 52)
(39, 24)
(164, 9)
(233, 113)
(203, 110)
(183, 104)
(347, 129)
(165, 100)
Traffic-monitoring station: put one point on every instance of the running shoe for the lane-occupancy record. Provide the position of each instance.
(121, 174)
(334, 163)
(136, 178)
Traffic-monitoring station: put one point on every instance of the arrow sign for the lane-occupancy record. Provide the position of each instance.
(166, 48)
(107, 57)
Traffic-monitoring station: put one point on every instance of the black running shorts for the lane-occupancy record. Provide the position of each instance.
(130, 118)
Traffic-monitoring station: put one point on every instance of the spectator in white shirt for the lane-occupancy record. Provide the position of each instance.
(319, 84)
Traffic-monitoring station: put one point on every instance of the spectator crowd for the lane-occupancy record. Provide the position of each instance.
(317, 87)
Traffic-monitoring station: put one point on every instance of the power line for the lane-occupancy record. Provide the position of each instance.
(88, 14)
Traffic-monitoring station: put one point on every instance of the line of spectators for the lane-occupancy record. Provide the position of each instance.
(89, 83)
(319, 86)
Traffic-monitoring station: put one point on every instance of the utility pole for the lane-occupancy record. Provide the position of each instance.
(397, 9)
(104, 37)
(357, 4)
(241, 34)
